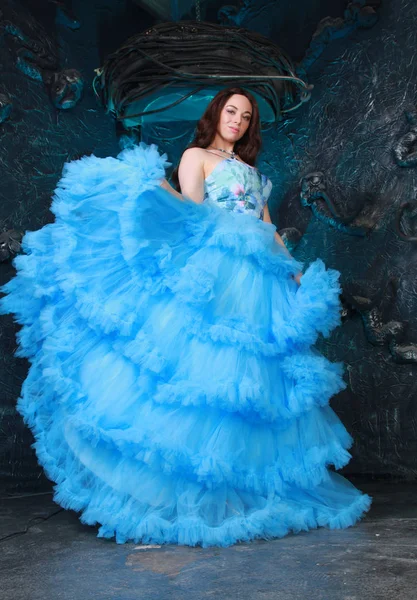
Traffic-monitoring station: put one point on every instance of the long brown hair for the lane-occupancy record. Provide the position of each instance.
(249, 144)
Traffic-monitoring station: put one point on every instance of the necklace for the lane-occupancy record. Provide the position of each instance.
(232, 154)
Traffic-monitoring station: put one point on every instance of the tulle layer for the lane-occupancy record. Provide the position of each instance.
(133, 501)
(173, 394)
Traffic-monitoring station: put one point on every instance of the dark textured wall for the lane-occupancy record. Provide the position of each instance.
(35, 141)
(364, 83)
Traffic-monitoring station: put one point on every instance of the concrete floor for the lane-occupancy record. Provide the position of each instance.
(60, 559)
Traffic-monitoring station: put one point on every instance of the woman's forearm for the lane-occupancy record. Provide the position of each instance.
(280, 241)
(196, 197)
(167, 186)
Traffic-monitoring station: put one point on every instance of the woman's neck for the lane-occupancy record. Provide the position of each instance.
(219, 142)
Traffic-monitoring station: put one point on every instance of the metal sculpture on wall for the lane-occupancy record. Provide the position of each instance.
(65, 88)
(10, 244)
(360, 14)
(407, 217)
(379, 332)
(65, 15)
(5, 107)
(290, 236)
(36, 55)
(165, 73)
(313, 190)
(405, 151)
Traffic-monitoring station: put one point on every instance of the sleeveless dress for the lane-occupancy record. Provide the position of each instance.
(174, 394)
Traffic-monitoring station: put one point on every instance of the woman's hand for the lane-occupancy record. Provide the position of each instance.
(297, 277)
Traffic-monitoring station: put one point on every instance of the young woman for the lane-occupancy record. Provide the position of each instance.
(173, 391)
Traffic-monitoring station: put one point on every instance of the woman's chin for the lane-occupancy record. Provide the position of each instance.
(232, 138)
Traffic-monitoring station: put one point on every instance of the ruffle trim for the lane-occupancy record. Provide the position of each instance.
(125, 518)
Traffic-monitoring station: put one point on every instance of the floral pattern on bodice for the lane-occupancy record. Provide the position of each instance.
(237, 187)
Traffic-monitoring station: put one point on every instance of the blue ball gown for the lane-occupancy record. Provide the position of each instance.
(174, 394)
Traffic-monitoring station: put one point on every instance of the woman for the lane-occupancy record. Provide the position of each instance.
(229, 118)
(173, 393)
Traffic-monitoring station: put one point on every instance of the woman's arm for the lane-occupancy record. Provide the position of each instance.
(280, 241)
(168, 186)
(278, 238)
(191, 174)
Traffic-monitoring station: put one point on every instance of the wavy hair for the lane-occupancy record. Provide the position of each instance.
(249, 144)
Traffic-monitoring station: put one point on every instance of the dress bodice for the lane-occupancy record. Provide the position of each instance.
(237, 187)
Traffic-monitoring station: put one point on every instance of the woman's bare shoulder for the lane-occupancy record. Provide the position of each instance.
(192, 160)
(194, 154)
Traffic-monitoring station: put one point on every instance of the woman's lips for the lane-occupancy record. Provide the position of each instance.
(234, 130)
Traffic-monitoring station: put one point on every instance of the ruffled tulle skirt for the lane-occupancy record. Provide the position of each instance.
(174, 393)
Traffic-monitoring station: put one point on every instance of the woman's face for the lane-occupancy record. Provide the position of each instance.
(234, 118)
